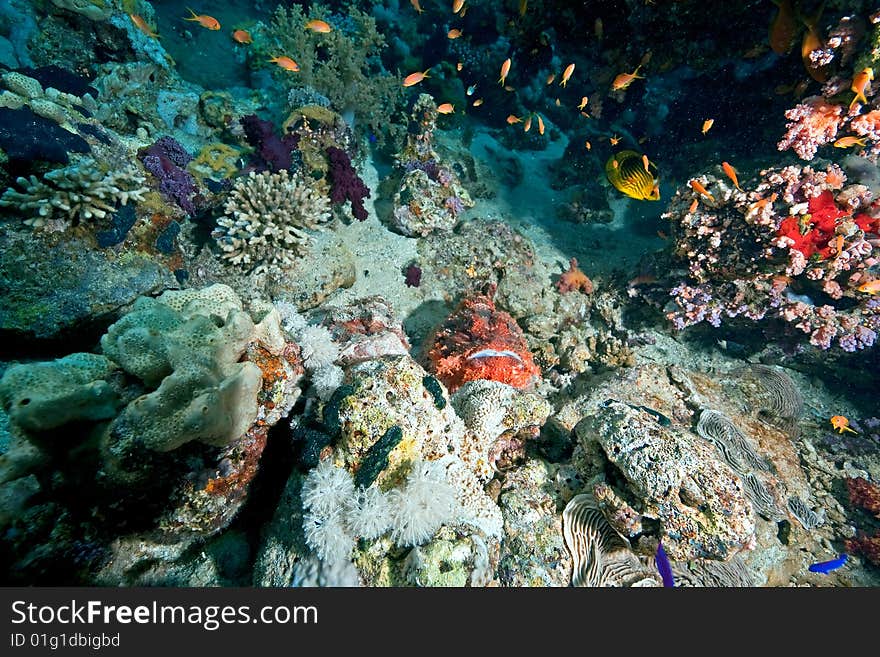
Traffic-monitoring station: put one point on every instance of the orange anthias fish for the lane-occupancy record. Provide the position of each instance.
(707, 125)
(859, 84)
(813, 41)
(697, 186)
(415, 78)
(528, 124)
(540, 125)
(646, 163)
(478, 102)
(242, 36)
(457, 5)
(286, 63)
(318, 26)
(731, 173)
(846, 142)
(204, 20)
(446, 108)
(615, 140)
(583, 103)
(588, 145)
(783, 28)
(416, 6)
(550, 78)
(511, 119)
(523, 5)
(566, 74)
(141, 24)
(505, 69)
(841, 424)
(623, 80)
(453, 33)
(871, 287)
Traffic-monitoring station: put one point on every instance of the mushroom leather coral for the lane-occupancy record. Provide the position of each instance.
(479, 342)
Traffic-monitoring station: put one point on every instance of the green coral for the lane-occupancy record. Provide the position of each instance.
(343, 64)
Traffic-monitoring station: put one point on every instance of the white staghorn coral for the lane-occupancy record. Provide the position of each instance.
(268, 216)
(79, 192)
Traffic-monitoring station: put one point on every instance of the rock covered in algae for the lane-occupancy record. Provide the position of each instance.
(533, 552)
(383, 393)
(52, 286)
(675, 479)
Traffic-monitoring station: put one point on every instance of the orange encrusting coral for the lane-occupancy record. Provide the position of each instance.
(574, 280)
(479, 342)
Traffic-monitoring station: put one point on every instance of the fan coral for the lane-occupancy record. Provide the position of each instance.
(76, 193)
(267, 219)
(479, 342)
(574, 280)
(794, 250)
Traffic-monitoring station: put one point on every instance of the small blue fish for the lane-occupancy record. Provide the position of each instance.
(827, 566)
(664, 567)
(470, 90)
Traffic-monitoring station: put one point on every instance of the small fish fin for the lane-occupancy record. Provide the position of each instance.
(810, 22)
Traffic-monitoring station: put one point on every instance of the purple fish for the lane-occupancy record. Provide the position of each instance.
(664, 567)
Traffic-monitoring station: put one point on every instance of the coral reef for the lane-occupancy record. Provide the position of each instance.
(698, 501)
(342, 65)
(795, 250)
(272, 153)
(429, 196)
(477, 341)
(176, 411)
(81, 192)
(267, 219)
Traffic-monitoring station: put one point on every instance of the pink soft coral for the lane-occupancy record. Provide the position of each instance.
(813, 123)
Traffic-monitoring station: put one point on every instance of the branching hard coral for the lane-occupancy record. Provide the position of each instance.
(83, 191)
(795, 249)
(268, 216)
(343, 64)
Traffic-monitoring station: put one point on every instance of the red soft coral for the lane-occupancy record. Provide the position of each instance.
(823, 219)
(479, 342)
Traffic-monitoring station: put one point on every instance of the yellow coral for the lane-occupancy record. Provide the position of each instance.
(216, 160)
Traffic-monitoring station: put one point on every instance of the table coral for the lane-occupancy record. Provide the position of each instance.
(477, 341)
